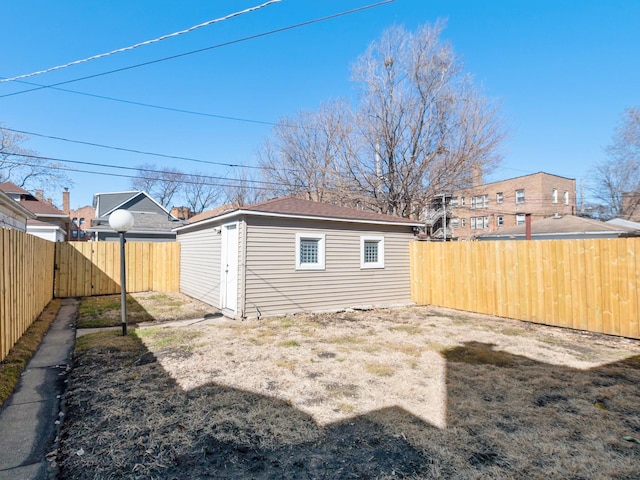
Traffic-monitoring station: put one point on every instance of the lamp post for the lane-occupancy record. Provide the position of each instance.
(122, 221)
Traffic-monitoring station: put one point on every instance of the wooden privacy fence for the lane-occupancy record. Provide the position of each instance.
(93, 268)
(26, 283)
(589, 285)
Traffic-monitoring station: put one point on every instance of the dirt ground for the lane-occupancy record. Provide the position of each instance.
(413, 393)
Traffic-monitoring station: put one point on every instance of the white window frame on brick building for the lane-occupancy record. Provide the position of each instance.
(520, 219)
(520, 195)
(554, 195)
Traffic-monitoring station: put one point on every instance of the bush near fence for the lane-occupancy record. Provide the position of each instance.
(33, 270)
(591, 285)
(26, 283)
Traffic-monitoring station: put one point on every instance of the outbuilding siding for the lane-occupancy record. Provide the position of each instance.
(273, 286)
(200, 265)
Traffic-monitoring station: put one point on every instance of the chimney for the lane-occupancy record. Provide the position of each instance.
(476, 175)
(65, 200)
(39, 195)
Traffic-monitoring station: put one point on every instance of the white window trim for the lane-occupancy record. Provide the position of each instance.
(320, 237)
(380, 262)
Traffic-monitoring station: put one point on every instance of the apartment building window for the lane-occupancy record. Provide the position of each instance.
(81, 220)
(554, 196)
(75, 221)
(453, 202)
(74, 233)
(479, 223)
(499, 197)
(480, 201)
(500, 220)
(520, 196)
(566, 197)
(463, 223)
(520, 219)
(454, 222)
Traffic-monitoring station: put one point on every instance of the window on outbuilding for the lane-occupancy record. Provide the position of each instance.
(310, 250)
(371, 252)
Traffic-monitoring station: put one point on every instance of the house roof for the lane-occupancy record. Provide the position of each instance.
(214, 212)
(149, 216)
(291, 207)
(561, 225)
(15, 207)
(40, 208)
(9, 187)
(623, 223)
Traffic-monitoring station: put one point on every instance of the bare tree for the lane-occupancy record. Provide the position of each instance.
(420, 128)
(308, 154)
(424, 126)
(26, 168)
(616, 179)
(199, 193)
(246, 190)
(161, 184)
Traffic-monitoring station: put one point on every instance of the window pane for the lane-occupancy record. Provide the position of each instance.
(308, 251)
(370, 251)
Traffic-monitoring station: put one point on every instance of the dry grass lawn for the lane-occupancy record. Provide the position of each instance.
(405, 393)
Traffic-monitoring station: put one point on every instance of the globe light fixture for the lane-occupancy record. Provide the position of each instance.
(122, 221)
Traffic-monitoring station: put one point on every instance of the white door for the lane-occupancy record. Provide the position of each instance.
(229, 268)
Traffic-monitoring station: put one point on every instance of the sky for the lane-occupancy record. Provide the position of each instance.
(563, 72)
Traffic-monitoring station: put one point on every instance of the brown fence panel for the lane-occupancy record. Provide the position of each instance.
(588, 284)
(26, 283)
(93, 268)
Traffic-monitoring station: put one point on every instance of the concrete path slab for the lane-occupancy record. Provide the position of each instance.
(30, 418)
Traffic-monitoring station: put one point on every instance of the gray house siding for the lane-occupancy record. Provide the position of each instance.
(200, 265)
(273, 286)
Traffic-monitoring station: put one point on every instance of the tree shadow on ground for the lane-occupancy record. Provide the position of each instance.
(508, 417)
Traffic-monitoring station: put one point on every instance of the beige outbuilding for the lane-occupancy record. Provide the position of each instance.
(290, 255)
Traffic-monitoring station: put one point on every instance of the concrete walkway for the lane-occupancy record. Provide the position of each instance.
(30, 418)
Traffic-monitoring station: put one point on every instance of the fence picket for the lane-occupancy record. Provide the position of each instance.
(589, 284)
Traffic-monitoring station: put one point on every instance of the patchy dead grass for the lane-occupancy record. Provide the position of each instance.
(104, 311)
(409, 393)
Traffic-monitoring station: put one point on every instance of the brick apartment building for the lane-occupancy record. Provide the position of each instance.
(488, 207)
(80, 219)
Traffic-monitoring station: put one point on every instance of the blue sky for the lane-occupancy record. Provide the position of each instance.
(563, 71)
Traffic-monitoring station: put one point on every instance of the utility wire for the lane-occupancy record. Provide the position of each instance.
(142, 44)
(136, 169)
(252, 37)
(122, 149)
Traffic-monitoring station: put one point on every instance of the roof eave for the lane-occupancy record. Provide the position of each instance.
(291, 215)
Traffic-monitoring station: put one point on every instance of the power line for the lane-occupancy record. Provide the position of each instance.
(252, 37)
(137, 169)
(142, 44)
(141, 152)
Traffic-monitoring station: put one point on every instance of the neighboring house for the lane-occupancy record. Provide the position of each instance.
(152, 222)
(563, 228)
(491, 207)
(80, 219)
(12, 214)
(290, 255)
(50, 223)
